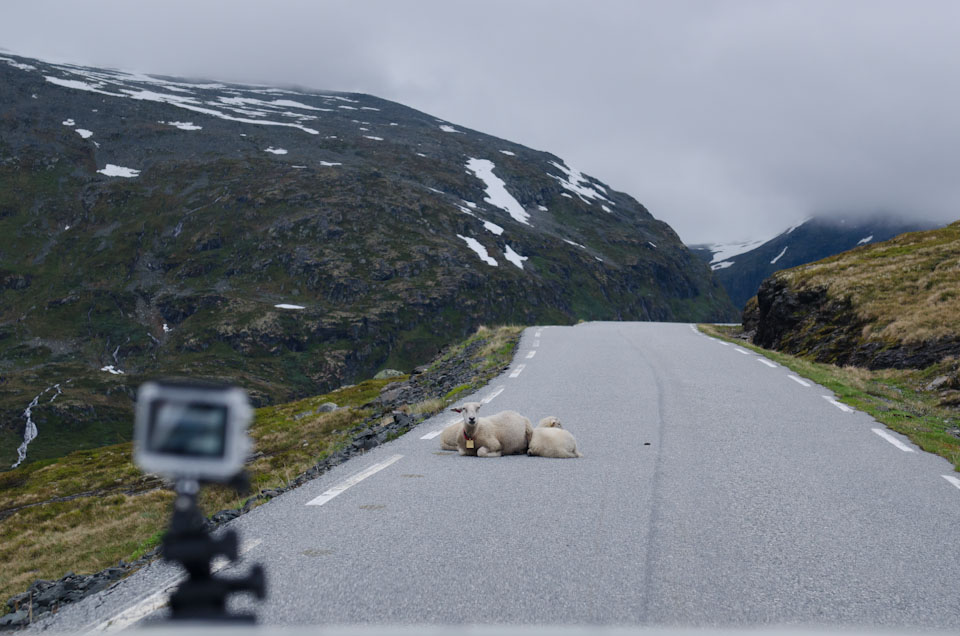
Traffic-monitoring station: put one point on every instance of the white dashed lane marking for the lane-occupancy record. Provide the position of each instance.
(767, 362)
(518, 371)
(799, 381)
(490, 397)
(842, 407)
(953, 480)
(743, 351)
(531, 354)
(893, 440)
(353, 481)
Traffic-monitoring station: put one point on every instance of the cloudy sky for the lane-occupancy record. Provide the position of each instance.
(728, 119)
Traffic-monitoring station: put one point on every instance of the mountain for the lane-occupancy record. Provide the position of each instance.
(286, 239)
(894, 304)
(741, 267)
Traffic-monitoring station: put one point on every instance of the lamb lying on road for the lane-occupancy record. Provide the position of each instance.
(505, 433)
(550, 440)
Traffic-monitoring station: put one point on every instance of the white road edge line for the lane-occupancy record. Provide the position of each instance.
(842, 407)
(158, 600)
(489, 398)
(353, 481)
(953, 480)
(799, 381)
(531, 354)
(743, 351)
(518, 371)
(893, 440)
(766, 362)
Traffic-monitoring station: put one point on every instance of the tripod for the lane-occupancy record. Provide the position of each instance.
(203, 596)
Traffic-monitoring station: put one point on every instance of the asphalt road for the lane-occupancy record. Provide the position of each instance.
(715, 490)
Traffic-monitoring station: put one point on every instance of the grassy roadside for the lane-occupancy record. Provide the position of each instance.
(898, 398)
(86, 511)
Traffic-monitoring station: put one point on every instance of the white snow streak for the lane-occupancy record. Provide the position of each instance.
(514, 258)
(86, 134)
(276, 151)
(69, 122)
(481, 251)
(508, 153)
(780, 255)
(112, 370)
(722, 265)
(865, 240)
(119, 171)
(493, 227)
(182, 125)
(572, 243)
(286, 306)
(496, 190)
(450, 129)
(575, 182)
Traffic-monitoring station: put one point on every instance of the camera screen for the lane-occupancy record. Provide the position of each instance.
(192, 430)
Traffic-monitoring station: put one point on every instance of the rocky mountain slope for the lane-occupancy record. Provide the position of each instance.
(741, 267)
(892, 304)
(289, 240)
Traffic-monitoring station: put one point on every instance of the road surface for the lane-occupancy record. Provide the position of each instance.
(716, 489)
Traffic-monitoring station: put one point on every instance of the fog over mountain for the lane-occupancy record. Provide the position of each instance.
(729, 120)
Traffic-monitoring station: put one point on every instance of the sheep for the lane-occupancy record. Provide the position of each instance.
(448, 439)
(505, 433)
(550, 439)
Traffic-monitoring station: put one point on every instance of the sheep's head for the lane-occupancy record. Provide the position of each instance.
(551, 421)
(470, 416)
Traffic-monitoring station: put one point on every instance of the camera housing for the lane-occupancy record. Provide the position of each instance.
(191, 431)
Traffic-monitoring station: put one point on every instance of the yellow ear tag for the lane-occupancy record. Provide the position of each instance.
(469, 443)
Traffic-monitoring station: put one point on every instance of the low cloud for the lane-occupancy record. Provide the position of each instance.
(726, 119)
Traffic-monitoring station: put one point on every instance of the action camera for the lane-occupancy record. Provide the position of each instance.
(191, 431)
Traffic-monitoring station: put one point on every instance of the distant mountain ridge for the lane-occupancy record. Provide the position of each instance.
(740, 268)
(288, 240)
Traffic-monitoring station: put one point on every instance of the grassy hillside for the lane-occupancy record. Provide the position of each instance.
(87, 510)
(891, 304)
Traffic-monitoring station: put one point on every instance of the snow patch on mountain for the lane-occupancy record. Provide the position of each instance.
(86, 134)
(182, 125)
(780, 255)
(480, 250)
(865, 240)
(119, 171)
(514, 258)
(575, 182)
(497, 194)
(493, 228)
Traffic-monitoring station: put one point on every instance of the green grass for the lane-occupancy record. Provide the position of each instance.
(894, 397)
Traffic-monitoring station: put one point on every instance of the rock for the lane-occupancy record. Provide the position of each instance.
(403, 420)
(389, 397)
(225, 515)
(420, 370)
(15, 619)
(327, 407)
(388, 373)
(938, 382)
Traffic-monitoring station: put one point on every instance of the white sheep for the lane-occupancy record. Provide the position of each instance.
(550, 439)
(448, 439)
(505, 433)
